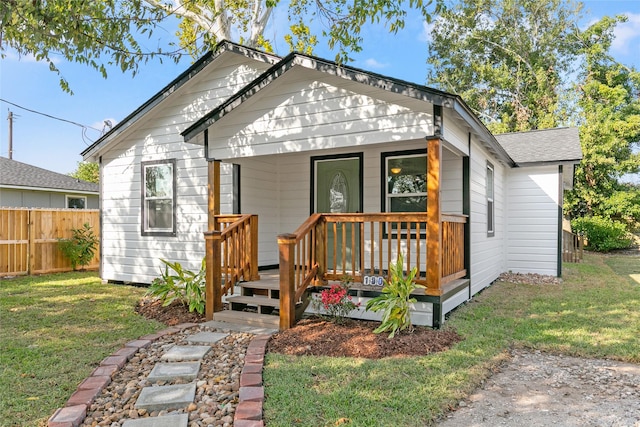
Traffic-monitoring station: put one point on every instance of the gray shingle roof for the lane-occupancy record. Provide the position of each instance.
(543, 146)
(14, 173)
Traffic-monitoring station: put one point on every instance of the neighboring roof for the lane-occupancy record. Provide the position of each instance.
(199, 65)
(405, 88)
(557, 145)
(14, 174)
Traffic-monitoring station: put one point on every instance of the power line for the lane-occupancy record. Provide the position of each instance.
(50, 116)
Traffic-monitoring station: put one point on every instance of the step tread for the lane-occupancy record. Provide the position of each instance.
(261, 284)
(255, 300)
(247, 317)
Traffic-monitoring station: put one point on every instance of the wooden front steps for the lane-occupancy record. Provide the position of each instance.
(248, 318)
(257, 305)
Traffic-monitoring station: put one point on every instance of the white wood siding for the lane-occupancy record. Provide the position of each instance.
(451, 184)
(487, 252)
(533, 201)
(456, 136)
(127, 255)
(259, 195)
(307, 115)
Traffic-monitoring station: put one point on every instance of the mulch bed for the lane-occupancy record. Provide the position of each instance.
(171, 315)
(321, 337)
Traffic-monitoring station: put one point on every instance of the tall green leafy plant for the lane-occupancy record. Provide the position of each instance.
(182, 285)
(80, 248)
(395, 300)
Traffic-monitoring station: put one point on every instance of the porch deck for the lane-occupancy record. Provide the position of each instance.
(328, 247)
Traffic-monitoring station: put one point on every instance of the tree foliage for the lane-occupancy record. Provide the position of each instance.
(114, 32)
(609, 104)
(87, 171)
(95, 33)
(525, 64)
(506, 58)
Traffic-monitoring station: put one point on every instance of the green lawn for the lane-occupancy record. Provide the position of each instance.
(594, 313)
(55, 330)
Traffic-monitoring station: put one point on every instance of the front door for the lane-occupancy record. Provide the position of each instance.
(338, 189)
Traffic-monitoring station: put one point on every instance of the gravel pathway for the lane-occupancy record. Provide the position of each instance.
(217, 389)
(536, 389)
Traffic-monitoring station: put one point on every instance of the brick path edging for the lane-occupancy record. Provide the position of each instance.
(75, 410)
(250, 395)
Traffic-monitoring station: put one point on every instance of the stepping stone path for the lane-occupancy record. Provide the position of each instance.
(183, 362)
(175, 375)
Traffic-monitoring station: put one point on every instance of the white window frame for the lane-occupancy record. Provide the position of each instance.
(491, 206)
(146, 230)
(68, 197)
(387, 172)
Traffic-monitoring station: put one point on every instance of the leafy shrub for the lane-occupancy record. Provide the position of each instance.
(179, 284)
(80, 248)
(395, 300)
(603, 234)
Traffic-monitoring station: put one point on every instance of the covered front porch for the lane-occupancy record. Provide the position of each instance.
(325, 247)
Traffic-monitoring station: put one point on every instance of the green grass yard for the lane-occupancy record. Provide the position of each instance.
(594, 313)
(55, 330)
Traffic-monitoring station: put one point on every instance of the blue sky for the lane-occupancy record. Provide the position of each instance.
(56, 145)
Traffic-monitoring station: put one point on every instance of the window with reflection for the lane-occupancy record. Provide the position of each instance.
(406, 183)
(158, 198)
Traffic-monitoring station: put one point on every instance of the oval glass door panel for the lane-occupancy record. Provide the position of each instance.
(338, 194)
(337, 190)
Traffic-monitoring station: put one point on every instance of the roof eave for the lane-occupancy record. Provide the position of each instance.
(175, 84)
(549, 163)
(48, 189)
(489, 140)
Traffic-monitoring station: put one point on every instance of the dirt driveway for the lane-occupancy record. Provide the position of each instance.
(536, 389)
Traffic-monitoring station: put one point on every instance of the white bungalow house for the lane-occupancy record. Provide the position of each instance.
(322, 171)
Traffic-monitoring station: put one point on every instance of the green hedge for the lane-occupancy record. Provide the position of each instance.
(603, 234)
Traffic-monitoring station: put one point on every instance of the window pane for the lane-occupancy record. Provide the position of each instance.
(160, 214)
(408, 204)
(407, 175)
(490, 183)
(159, 180)
(76, 202)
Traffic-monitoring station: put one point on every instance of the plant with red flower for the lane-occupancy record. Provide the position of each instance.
(336, 301)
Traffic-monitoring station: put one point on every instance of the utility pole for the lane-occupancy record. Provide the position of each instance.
(10, 119)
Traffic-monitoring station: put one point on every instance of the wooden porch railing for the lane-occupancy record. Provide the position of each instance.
(452, 247)
(572, 246)
(232, 255)
(330, 246)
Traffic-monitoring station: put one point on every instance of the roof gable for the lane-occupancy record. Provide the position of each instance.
(396, 87)
(557, 145)
(22, 175)
(170, 89)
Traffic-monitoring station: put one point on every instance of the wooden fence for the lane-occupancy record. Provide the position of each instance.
(572, 246)
(29, 239)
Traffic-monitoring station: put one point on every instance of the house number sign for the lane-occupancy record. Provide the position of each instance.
(373, 281)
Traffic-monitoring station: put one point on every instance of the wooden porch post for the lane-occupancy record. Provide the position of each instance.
(213, 254)
(434, 223)
(213, 193)
(213, 276)
(253, 241)
(286, 246)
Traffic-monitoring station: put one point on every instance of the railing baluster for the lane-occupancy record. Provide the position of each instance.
(335, 248)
